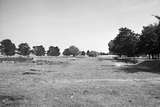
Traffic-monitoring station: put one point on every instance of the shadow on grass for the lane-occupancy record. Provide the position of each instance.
(146, 66)
(15, 59)
(11, 101)
(126, 60)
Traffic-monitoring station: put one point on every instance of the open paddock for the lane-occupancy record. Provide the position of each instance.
(79, 82)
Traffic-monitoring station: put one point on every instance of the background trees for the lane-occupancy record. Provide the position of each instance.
(83, 53)
(39, 50)
(92, 53)
(7, 47)
(127, 43)
(53, 51)
(66, 52)
(72, 50)
(23, 49)
(130, 44)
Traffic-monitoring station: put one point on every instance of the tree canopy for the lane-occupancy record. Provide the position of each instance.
(23, 49)
(7, 47)
(72, 50)
(53, 51)
(150, 40)
(124, 43)
(39, 50)
(92, 53)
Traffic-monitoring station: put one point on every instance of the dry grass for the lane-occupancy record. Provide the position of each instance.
(76, 82)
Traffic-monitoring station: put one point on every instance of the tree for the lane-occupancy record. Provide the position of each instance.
(124, 43)
(92, 54)
(72, 50)
(83, 53)
(158, 34)
(88, 52)
(23, 49)
(39, 50)
(66, 52)
(111, 46)
(149, 43)
(7, 47)
(103, 53)
(0, 49)
(53, 51)
(149, 40)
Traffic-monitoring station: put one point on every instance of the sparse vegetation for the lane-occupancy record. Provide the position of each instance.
(85, 82)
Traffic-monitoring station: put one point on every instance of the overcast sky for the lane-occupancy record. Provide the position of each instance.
(87, 24)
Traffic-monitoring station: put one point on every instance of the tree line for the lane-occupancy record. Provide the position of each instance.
(131, 44)
(8, 48)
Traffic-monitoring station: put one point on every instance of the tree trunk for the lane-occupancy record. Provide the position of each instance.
(149, 56)
(152, 56)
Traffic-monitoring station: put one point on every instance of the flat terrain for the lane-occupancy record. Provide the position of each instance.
(77, 82)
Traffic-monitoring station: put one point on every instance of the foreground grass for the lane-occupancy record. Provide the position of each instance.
(76, 82)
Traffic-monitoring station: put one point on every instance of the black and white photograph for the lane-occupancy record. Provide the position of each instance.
(79, 53)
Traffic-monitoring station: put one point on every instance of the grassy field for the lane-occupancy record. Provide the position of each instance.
(79, 82)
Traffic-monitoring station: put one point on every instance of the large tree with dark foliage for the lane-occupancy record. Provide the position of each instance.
(124, 43)
(23, 49)
(150, 40)
(7, 47)
(53, 51)
(39, 50)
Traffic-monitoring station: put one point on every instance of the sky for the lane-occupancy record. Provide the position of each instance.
(87, 24)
